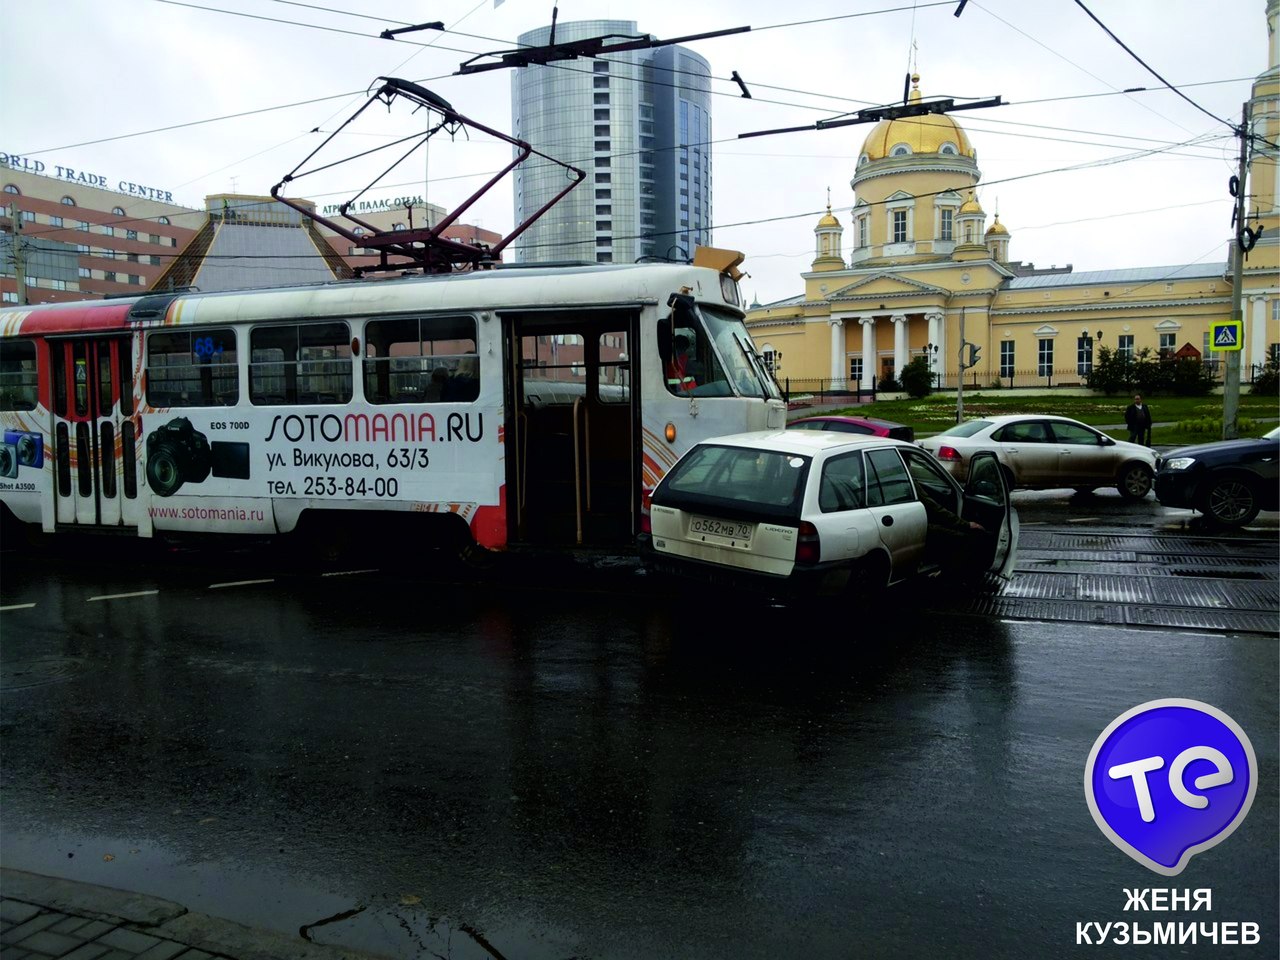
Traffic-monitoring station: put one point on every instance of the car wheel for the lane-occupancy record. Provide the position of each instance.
(868, 577)
(1135, 481)
(1230, 502)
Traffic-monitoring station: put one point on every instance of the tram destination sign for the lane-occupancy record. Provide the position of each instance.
(85, 178)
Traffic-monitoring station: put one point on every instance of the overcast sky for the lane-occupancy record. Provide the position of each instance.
(79, 71)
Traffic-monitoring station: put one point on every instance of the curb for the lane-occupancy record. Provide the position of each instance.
(50, 917)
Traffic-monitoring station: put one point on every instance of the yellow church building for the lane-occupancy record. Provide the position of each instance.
(927, 273)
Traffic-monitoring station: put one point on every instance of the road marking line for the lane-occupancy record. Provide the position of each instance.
(17, 606)
(1082, 519)
(124, 596)
(240, 583)
(348, 573)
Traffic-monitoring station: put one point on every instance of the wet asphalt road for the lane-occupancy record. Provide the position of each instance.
(483, 771)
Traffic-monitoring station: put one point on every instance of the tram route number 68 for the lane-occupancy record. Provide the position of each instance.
(350, 487)
(408, 458)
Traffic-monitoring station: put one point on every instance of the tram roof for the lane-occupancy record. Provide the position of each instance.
(520, 286)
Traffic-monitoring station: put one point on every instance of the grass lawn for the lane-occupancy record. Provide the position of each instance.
(937, 412)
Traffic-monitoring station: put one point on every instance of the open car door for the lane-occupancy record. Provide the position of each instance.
(986, 500)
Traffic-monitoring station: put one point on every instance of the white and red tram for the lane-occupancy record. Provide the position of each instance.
(521, 405)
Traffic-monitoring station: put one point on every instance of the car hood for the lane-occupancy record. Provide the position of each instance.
(1221, 449)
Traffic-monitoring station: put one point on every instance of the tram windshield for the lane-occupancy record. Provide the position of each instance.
(743, 365)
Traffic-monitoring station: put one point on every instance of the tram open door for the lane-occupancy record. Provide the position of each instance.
(94, 437)
(573, 449)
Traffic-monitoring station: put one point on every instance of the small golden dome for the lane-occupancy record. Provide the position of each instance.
(924, 134)
(997, 229)
(828, 220)
(971, 205)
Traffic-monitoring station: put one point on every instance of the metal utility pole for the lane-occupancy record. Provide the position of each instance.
(1231, 379)
(19, 255)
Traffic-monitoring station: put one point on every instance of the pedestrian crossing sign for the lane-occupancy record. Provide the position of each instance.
(1225, 335)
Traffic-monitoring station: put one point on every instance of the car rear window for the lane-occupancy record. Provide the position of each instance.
(966, 429)
(737, 479)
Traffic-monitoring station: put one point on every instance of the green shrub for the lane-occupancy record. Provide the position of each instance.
(917, 378)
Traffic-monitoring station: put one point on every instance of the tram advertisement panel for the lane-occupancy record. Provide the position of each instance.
(446, 455)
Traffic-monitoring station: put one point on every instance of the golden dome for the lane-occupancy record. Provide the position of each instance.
(828, 220)
(971, 205)
(924, 134)
(997, 229)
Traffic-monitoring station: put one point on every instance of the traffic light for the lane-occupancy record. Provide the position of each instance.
(972, 359)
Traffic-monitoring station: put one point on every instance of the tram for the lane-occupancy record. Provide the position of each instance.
(522, 405)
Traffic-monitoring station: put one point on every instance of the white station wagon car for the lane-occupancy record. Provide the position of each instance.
(1047, 453)
(792, 511)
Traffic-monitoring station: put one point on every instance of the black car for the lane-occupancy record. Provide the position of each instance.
(1228, 481)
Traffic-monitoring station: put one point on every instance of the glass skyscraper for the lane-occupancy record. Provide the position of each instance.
(638, 123)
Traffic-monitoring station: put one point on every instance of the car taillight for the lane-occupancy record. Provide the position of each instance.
(808, 544)
(646, 503)
(949, 453)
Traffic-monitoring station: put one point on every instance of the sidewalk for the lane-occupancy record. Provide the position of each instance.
(42, 917)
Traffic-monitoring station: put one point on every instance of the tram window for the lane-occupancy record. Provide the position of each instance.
(18, 383)
(614, 368)
(421, 360)
(193, 368)
(302, 363)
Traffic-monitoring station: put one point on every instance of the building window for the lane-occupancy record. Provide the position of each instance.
(397, 226)
(85, 273)
(153, 260)
(118, 211)
(58, 284)
(110, 276)
(604, 256)
(108, 231)
(1045, 366)
(602, 145)
(82, 226)
(82, 248)
(1084, 356)
(602, 130)
(1125, 349)
(600, 99)
(173, 241)
(602, 162)
(131, 234)
(604, 241)
(602, 116)
(899, 226)
(604, 224)
(135, 279)
(29, 216)
(162, 220)
(601, 66)
(900, 150)
(358, 231)
(68, 202)
(11, 296)
(131, 257)
(601, 83)
(55, 221)
(1167, 343)
(855, 369)
(1006, 358)
(602, 178)
(10, 188)
(948, 149)
(862, 232)
(946, 228)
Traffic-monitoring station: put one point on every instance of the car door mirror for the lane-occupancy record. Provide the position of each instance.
(1104, 441)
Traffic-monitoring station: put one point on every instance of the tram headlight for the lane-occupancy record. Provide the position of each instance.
(177, 453)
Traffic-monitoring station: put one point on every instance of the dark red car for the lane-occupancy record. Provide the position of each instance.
(868, 426)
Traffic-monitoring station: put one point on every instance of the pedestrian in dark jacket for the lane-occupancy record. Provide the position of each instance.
(1137, 417)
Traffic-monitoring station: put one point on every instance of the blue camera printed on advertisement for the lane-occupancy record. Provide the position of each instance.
(28, 448)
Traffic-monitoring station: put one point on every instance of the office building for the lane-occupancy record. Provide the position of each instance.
(638, 123)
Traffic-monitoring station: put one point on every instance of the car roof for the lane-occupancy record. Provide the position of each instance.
(803, 442)
(1007, 417)
(847, 418)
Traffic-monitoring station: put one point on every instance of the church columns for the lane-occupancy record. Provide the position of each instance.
(899, 343)
(937, 334)
(868, 350)
(1255, 335)
(839, 369)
